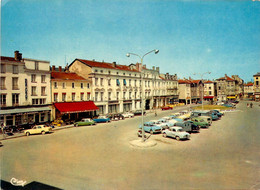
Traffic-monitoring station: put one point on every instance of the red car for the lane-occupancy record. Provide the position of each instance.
(166, 108)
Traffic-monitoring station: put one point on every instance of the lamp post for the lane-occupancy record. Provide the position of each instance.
(142, 98)
(201, 76)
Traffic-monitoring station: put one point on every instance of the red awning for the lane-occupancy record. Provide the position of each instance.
(75, 107)
(209, 97)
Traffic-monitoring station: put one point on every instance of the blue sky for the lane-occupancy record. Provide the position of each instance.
(222, 37)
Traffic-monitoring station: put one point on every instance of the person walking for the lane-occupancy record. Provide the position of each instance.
(3, 130)
(251, 105)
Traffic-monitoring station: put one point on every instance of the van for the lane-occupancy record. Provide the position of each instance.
(188, 126)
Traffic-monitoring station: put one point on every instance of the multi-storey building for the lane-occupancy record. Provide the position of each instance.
(209, 90)
(239, 86)
(249, 90)
(25, 90)
(184, 91)
(71, 95)
(118, 88)
(257, 86)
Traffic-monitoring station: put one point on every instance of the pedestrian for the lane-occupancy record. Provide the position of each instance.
(3, 130)
(155, 113)
(251, 105)
(247, 104)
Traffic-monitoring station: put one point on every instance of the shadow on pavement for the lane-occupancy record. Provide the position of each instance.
(31, 186)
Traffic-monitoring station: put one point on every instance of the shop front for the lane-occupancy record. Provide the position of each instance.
(73, 111)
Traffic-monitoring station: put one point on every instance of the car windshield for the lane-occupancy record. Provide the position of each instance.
(201, 120)
(180, 130)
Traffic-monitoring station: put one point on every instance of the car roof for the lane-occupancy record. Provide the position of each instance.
(148, 122)
(176, 127)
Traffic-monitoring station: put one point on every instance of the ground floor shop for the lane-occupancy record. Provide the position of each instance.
(73, 111)
(25, 116)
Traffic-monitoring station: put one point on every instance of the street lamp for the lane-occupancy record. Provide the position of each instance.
(142, 98)
(201, 76)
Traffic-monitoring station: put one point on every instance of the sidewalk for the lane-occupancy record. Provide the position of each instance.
(16, 135)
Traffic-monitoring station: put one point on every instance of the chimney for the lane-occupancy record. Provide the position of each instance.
(17, 56)
(60, 69)
(158, 69)
(144, 66)
(189, 78)
(153, 68)
(53, 68)
(114, 64)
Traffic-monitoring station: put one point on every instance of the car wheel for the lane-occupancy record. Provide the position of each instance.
(43, 132)
(27, 134)
(199, 126)
(164, 135)
(151, 132)
(178, 138)
(76, 125)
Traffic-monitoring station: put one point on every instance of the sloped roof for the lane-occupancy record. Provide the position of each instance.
(249, 84)
(181, 81)
(229, 79)
(208, 81)
(257, 74)
(195, 81)
(66, 76)
(3, 58)
(107, 65)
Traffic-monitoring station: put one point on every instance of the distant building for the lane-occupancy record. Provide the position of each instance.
(209, 90)
(257, 86)
(249, 90)
(25, 91)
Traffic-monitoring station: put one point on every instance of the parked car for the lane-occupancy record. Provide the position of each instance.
(128, 115)
(84, 122)
(218, 113)
(176, 132)
(166, 108)
(38, 129)
(200, 122)
(102, 119)
(167, 118)
(188, 126)
(162, 123)
(139, 112)
(115, 117)
(151, 128)
(229, 105)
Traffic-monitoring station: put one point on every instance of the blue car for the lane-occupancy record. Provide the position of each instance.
(151, 128)
(102, 119)
(214, 116)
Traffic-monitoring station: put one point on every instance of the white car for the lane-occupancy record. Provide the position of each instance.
(163, 125)
(128, 115)
(38, 129)
(177, 133)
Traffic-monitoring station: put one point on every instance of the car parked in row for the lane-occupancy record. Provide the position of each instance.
(200, 122)
(139, 112)
(84, 122)
(102, 119)
(128, 115)
(188, 126)
(38, 129)
(176, 132)
(151, 128)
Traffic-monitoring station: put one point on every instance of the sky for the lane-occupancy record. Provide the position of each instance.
(222, 37)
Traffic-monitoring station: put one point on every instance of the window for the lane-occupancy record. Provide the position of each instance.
(140, 82)
(209, 92)
(101, 71)
(82, 96)
(42, 116)
(3, 99)
(101, 96)
(73, 96)
(109, 95)
(43, 78)
(96, 71)
(96, 81)
(96, 96)
(36, 65)
(210, 88)
(63, 97)
(124, 95)
(256, 83)
(129, 82)
(43, 91)
(123, 73)
(55, 84)
(2, 83)
(15, 99)
(88, 85)
(3, 69)
(117, 95)
(88, 96)
(135, 82)
(109, 82)
(109, 72)
(34, 91)
(63, 85)
(148, 83)
(81, 85)
(117, 82)
(55, 97)
(101, 81)
(117, 73)
(135, 95)
(15, 69)
(15, 83)
(33, 78)
(130, 95)
(124, 82)
(72, 85)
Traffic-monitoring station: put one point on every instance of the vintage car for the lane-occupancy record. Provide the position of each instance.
(84, 122)
(188, 126)
(139, 112)
(217, 112)
(162, 123)
(128, 115)
(167, 118)
(184, 115)
(102, 119)
(166, 108)
(200, 122)
(151, 128)
(176, 132)
(115, 116)
(38, 129)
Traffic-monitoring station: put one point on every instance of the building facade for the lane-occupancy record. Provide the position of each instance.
(257, 86)
(249, 90)
(209, 90)
(25, 91)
